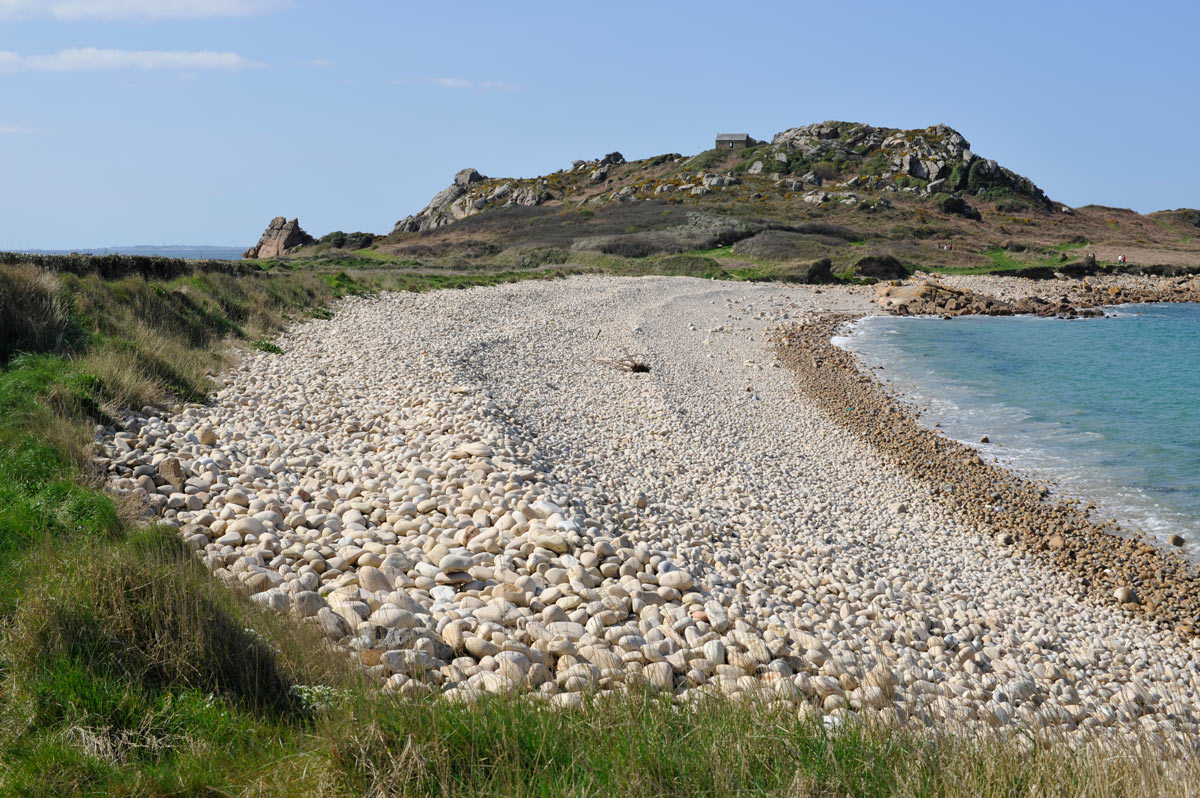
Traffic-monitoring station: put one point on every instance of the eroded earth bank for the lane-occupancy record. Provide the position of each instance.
(463, 497)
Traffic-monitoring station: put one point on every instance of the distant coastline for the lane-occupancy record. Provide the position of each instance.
(186, 251)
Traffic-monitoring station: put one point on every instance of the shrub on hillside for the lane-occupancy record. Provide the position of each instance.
(880, 266)
(1080, 268)
(1002, 186)
(416, 250)
(978, 178)
(533, 257)
(948, 203)
(817, 272)
(699, 231)
(827, 229)
(958, 177)
(340, 240)
(904, 232)
(875, 165)
(706, 160)
(630, 245)
(785, 245)
(1010, 205)
(825, 170)
(470, 247)
(659, 160)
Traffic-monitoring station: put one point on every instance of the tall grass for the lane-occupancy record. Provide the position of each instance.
(33, 315)
(126, 669)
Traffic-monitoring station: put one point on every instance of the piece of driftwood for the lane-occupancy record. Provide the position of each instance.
(626, 362)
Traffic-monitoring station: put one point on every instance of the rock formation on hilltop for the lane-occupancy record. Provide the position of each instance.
(822, 164)
(280, 237)
(813, 203)
(938, 155)
(457, 201)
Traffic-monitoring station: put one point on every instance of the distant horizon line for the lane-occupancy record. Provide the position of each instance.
(55, 250)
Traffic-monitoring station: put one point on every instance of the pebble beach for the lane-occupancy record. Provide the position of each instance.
(466, 494)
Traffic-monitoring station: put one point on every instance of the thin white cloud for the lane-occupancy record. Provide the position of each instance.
(16, 130)
(460, 83)
(146, 10)
(321, 62)
(497, 85)
(91, 59)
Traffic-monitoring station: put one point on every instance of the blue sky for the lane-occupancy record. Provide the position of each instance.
(196, 121)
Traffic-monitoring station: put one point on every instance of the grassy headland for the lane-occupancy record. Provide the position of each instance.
(839, 191)
(126, 669)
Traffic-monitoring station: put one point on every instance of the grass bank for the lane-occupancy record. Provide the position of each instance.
(126, 669)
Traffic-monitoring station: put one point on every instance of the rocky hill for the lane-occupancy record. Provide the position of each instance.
(841, 162)
(852, 194)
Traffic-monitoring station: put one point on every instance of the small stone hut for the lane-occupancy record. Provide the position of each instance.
(734, 141)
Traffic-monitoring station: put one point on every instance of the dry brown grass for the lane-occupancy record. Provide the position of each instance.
(33, 315)
(148, 366)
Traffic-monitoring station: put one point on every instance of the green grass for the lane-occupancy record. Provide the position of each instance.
(127, 670)
(1068, 246)
(1001, 260)
(715, 252)
(708, 159)
(124, 667)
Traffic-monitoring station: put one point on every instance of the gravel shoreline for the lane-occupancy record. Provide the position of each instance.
(456, 490)
(1114, 568)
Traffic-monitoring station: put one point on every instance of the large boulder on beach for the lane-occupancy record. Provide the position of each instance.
(929, 298)
(280, 237)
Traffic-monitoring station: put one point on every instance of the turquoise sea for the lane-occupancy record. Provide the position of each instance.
(1107, 408)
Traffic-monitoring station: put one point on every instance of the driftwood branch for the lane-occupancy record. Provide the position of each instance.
(626, 362)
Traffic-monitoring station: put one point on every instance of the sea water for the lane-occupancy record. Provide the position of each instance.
(1107, 408)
